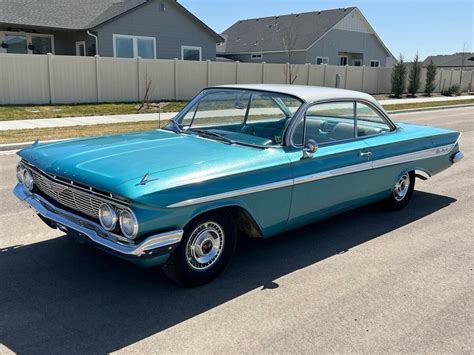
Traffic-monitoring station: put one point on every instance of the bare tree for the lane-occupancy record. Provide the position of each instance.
(290, 39)
(147, 90)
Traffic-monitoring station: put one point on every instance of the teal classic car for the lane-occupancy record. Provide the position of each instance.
(245, 159)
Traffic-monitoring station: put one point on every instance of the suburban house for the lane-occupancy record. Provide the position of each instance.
(452, 61)
(161, 29)
(337, 37)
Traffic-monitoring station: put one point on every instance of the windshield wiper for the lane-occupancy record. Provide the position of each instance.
(203, 132)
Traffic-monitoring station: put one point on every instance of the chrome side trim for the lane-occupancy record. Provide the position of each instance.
(230, 194)
(457, 157)
(332, 173)
(405, 158)
(93, 231)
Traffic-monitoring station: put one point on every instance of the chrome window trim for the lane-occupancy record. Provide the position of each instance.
(102, 197)
(404, 158)
(303, 108)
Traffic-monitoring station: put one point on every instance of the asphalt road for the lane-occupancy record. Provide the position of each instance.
(365, 281)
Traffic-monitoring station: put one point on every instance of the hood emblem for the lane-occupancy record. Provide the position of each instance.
(145, 179)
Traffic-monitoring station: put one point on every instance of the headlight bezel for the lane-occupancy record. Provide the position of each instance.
(125, 214)
(19, 172)
(113, 214)
(27, 178)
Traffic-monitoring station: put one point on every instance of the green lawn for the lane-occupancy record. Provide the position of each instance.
(28, 112)
(395, 107)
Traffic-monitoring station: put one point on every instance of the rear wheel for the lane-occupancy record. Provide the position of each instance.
(206, 248)
(401, 192)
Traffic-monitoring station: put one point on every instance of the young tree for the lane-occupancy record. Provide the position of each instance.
(290, 38)
(415, 76)
(430, 78)
(398, 78)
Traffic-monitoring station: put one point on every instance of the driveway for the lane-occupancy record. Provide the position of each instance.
(364, 281)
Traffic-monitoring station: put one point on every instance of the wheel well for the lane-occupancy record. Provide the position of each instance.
(244, 222)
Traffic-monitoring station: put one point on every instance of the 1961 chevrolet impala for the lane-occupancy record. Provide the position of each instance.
(243, 159)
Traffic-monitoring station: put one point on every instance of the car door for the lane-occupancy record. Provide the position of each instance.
(336, 176)
(385, 145)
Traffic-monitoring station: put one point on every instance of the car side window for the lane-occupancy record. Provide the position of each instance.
(326, 123)
(369, 121)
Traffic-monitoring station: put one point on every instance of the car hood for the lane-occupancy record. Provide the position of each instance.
(108, 162)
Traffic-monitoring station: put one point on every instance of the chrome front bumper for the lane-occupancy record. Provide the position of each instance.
(457, 157)
(56, 217)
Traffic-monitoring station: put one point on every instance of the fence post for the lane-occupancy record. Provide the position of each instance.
(451, 78)
(97, 77)
(208, 68)
(440, 79)
(237, 72)
(263, 72)
(139, 78)
(176, 79)
(362, 79)
(324, 75)
(345, 76)
(52, 99)
(308, 73)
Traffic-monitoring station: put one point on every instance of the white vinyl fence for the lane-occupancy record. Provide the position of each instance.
(43, 79)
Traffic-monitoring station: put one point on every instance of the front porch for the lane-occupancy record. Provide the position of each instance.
(43, 41)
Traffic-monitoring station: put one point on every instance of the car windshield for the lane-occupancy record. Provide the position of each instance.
(238, 116)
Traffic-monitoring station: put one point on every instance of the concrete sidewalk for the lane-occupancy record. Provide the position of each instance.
(93, 120)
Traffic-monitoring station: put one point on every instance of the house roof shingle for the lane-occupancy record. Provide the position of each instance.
(72, 14)
(266, 34)
(451, 60)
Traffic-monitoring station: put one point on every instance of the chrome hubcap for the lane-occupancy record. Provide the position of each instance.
(205, 245)
(401, 188)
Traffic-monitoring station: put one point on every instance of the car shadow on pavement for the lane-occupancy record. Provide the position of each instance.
(57, 296)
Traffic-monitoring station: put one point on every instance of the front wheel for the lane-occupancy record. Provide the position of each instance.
(206, 248)
(401, 192)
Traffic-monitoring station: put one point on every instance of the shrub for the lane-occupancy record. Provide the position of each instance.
(430, 78)
(453, 90)
(398, 78)
(414, 76)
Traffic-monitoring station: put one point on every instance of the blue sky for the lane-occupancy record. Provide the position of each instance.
(423, 26)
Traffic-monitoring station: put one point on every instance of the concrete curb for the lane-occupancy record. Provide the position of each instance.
(10, 147)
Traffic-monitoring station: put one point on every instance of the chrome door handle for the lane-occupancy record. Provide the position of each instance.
(366, 154)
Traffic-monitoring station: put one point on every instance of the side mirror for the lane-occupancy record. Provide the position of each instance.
(310, 148)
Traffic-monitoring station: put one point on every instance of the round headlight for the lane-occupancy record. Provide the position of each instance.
(28, 179)
(19, 172)
(128, 224)
(107, 217)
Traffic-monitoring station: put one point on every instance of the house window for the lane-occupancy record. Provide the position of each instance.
(343, 60)
(375, 63)
(322, 60)
(27, 43)
(16, 43)
(190, 53)
(134, 47)
(256, 56)
(41, 44)
(357, 62)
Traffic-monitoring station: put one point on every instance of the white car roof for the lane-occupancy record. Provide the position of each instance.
(306, 93)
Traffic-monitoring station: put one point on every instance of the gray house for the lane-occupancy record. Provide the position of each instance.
(337, 37)
(452, 61)
(113, 28)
